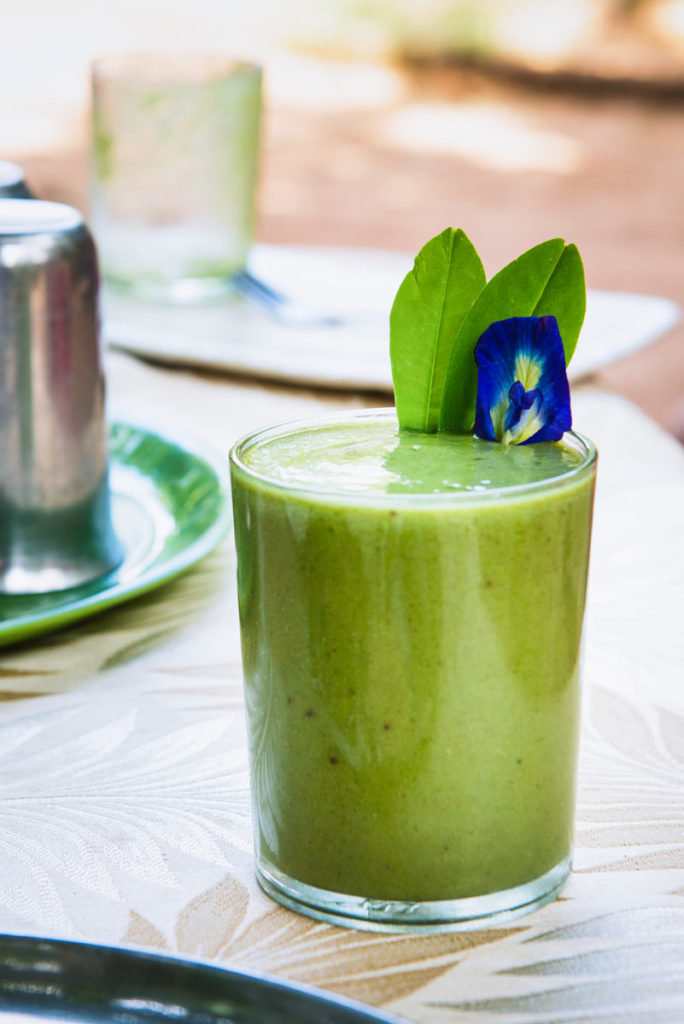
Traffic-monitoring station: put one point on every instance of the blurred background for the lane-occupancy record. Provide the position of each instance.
(387, 120)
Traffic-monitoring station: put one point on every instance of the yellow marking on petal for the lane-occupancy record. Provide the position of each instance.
(528, 370)
(530, 428)
(497, 412)
(528, 425)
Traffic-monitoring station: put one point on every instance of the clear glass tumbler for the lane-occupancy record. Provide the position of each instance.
(175, 150)
(411, 612)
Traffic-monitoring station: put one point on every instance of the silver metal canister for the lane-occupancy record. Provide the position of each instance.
(12, 184)
(56, 529)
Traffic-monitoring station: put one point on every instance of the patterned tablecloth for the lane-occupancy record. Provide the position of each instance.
(124, 805)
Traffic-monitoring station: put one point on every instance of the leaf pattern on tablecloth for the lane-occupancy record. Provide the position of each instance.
(633, 757)
(208, 922)
(630, 966)
(634, 639)
(161, 621)
(141, 933)
(13, 679)
(113, 802)
(137, 648)
(223, 683)
(27, 889)
(369, 966)
(672, 735)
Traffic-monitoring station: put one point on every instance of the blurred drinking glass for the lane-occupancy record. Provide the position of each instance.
(175, 148)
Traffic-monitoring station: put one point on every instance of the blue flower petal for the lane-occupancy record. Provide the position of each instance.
(523, 393)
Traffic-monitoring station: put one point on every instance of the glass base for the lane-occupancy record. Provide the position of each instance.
(429, 916)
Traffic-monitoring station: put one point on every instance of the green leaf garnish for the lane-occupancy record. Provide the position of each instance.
(515, 291)
(427, 315)
(565, 297)
(444, 306)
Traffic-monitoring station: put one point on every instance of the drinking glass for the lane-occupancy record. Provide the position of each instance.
(411, 612)
(175, 148)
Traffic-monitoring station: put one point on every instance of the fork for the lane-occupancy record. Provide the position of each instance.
(280, 307)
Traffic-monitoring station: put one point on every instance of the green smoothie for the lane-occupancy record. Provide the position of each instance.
(411, 612)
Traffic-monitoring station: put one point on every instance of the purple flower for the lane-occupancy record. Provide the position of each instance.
(523, 393)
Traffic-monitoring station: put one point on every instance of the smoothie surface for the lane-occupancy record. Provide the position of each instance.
(373, 456)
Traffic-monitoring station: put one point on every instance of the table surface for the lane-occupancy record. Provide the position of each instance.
(124, 801)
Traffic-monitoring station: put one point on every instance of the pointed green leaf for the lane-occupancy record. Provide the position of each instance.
(428, 311)
(565, 297)
(514, 291)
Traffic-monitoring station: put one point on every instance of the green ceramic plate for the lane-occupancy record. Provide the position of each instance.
(170, 508)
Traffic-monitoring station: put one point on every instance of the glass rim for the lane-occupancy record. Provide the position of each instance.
(580, 443)
(167, 66)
